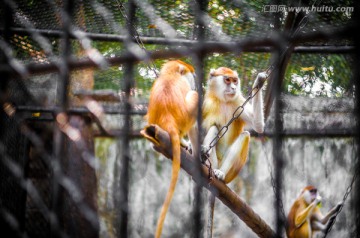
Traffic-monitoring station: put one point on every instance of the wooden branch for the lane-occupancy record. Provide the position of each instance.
(162, 144)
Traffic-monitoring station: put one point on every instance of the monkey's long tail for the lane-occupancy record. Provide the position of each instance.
(175, 141)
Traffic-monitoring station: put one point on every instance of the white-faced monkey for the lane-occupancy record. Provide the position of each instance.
(222, 98)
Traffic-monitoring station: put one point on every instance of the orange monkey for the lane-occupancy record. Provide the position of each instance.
(305, 217)
(173, 106)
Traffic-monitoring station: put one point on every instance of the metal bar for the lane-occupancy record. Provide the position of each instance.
(7, 20)
(78, 110)
(277, 151)
(324, 49)
(47, 159)
(342, 49)
(125, 159)
(200, 10)
(275, 92)
(207, 47)
(79, 168)
(314, 133)
(59, 139)
(356, 80)
(345, 133)
(26, 157)
(218, 47)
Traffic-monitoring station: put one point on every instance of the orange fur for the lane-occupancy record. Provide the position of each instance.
(301, 216)
(216, 112)
(293, 231)
(224, 71)
(173, 106)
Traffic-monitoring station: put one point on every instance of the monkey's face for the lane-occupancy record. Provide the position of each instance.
(225, 84)
(309, 194)
(190, 78)
(187, 72)
(231, 86)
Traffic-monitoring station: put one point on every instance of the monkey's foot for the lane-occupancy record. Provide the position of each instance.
(205, 153)
(149, 132)
(219, 174)
(186, 145)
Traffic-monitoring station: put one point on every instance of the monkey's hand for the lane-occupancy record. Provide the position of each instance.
(205, 152)
(219, 174)
(333, 213)
(338, 207)
(318, 199)
(260, 80)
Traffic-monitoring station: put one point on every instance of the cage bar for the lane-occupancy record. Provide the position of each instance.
(81, 118)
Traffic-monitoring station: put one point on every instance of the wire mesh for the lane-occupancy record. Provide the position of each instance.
(70, 73)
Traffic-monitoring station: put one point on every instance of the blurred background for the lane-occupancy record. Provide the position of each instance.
(75, 81)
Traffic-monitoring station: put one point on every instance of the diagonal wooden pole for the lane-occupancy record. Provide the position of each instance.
(162, 144)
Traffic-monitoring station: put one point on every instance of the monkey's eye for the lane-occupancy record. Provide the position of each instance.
(314, 190)
(227, 80)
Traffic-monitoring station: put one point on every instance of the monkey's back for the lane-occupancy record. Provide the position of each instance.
(303, 231)
(167, 104)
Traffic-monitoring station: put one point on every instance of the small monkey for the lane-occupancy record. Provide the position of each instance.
(173, 106)
(222, 97)
(305, 217)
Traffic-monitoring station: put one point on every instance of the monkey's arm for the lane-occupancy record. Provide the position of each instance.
(191, 102)
(319, 222)
(317, 226)
(254, 114)
(257, 103)
(301, 217)
(325, 219)
(210, 135)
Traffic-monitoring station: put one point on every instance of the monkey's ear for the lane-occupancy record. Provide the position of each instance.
(181, 69)
(212, 72)
(237, 75)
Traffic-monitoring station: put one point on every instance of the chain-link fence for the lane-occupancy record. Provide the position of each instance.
(75, 78)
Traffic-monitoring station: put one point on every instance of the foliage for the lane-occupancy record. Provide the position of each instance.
(319, 75)
(307, 74)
